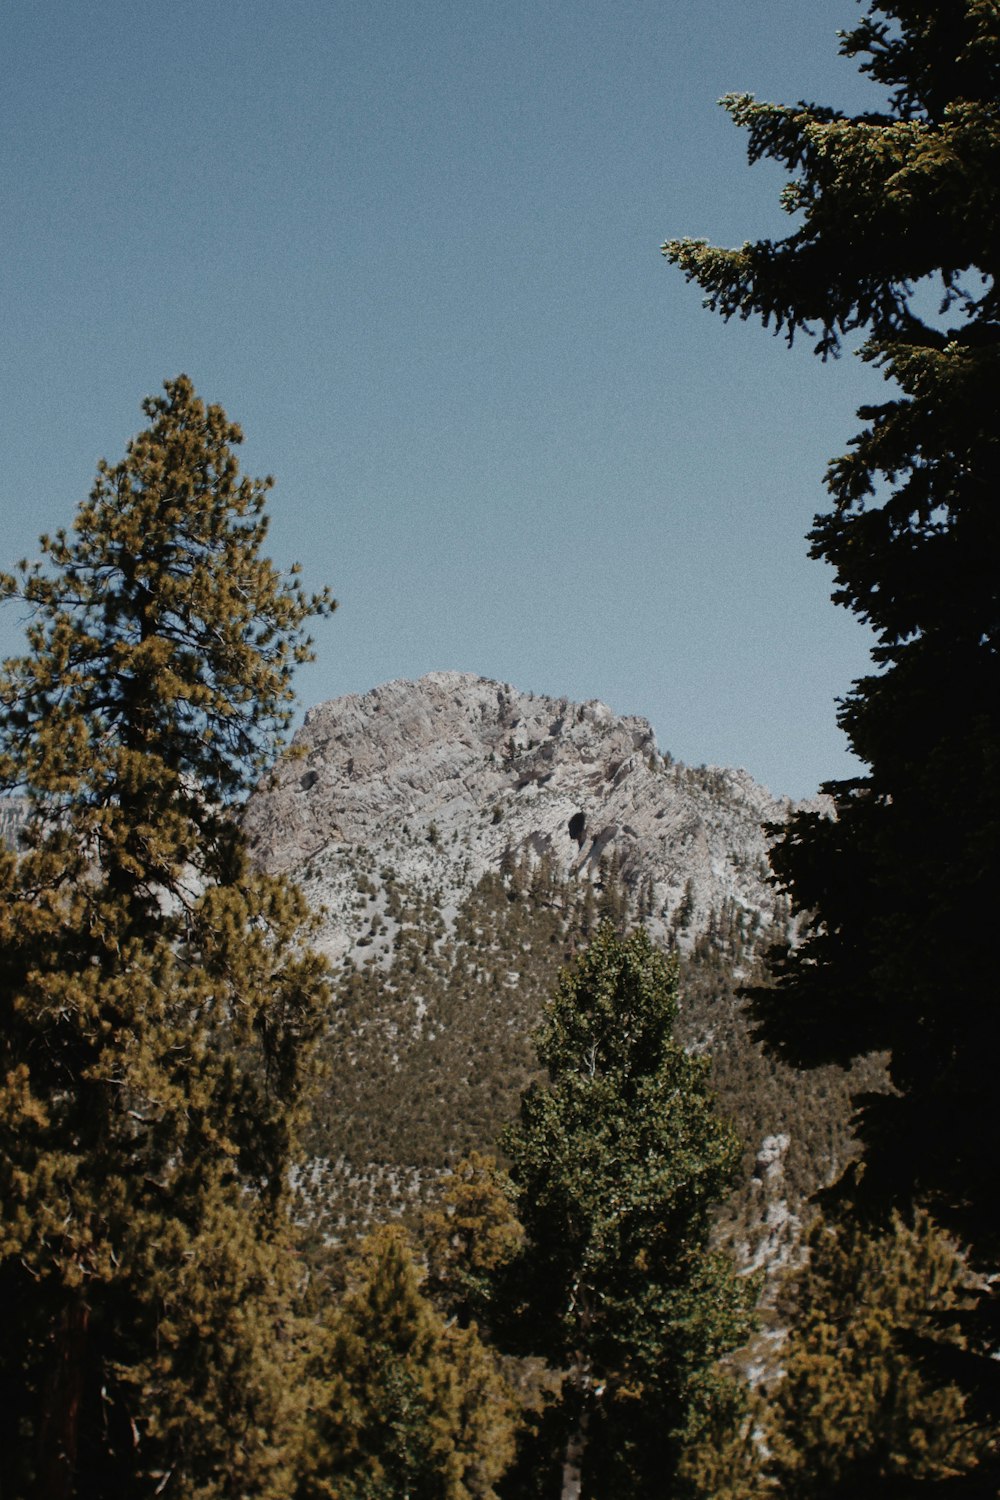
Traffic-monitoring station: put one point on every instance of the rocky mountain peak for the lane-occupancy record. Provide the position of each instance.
(439, 781)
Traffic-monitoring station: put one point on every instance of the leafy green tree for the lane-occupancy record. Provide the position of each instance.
(618, 1163)
(855, 1412)
(158, 998)
(896, 238)
(410, 1405)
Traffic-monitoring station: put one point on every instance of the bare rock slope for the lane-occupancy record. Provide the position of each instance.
(444, 777)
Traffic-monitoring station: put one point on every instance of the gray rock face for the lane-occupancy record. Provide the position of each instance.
(13, 815)
(440, 778)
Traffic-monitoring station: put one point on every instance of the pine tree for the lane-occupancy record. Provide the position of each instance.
(894, 209)
(723, 1457)
(409, 1405)
(855, 1411)
(618, 1164)
(467, 1235)
(158, 998)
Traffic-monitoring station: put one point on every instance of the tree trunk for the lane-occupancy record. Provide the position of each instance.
(58, 1430)
(576, 1443)
(572, 1471)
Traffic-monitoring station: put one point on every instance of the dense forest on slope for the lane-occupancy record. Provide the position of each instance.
(429, 1050)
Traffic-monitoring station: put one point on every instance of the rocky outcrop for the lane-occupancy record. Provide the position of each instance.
(13, 816)
(446, 777)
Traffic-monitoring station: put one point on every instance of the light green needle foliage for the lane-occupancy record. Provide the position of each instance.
(158, 1000)
(856, 1411)
(618, 1163)
(409, 1405)
(468, 1234)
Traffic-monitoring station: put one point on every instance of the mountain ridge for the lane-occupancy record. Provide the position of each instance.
(450, 775)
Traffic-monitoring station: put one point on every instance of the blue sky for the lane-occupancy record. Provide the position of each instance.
(414, 249)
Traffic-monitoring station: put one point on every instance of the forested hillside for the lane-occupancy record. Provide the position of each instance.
(452, 893)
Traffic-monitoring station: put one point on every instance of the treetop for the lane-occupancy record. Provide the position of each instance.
(157, 628)
(884, 200)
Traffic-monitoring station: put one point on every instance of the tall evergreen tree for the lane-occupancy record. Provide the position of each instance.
(618, 1163)
(893, 210)
(157, 999)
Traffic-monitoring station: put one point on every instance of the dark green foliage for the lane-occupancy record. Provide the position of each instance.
(723, 1458)
(157, 999)
(765, 1097)
(897, 236)
(618, 1163)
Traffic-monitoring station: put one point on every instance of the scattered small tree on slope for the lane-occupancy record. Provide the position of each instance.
(157, 1002)
(618, 1163)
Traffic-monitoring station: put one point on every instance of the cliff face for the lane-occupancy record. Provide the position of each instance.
(444, 778)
